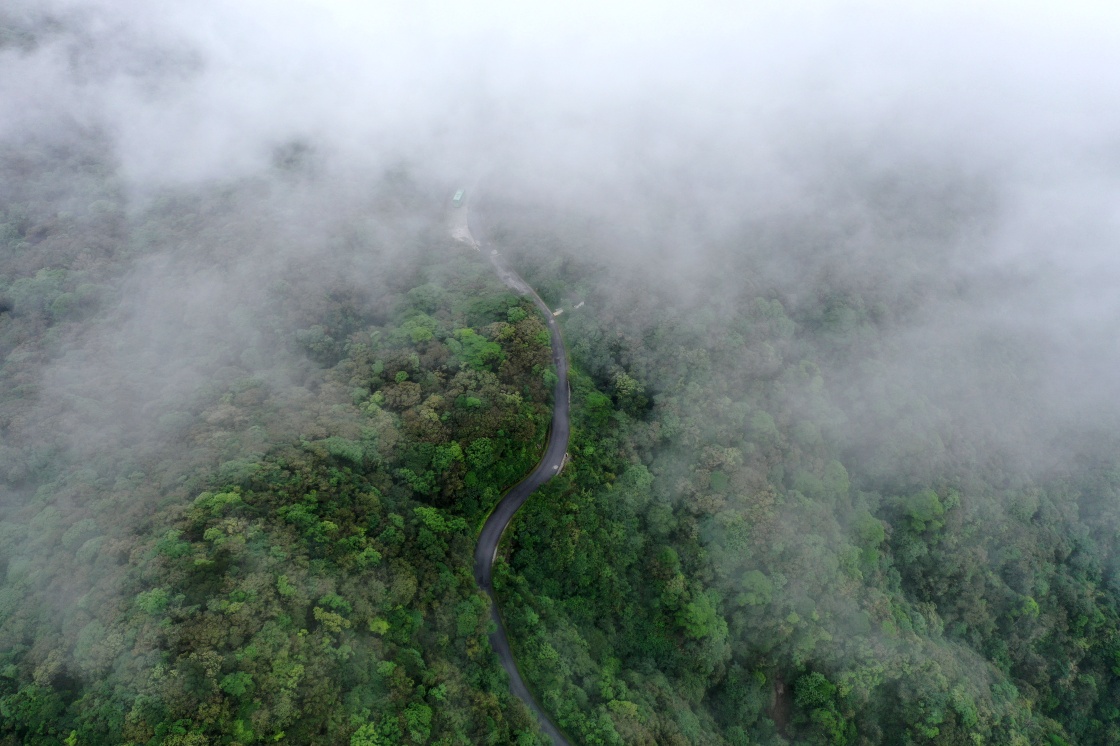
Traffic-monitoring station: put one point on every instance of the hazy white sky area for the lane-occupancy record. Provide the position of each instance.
(932, 147)
(660, 18)
(191, 87)
(579, 96)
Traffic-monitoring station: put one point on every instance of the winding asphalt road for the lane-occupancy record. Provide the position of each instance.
(549, 466)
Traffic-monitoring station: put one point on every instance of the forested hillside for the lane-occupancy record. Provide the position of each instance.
(769, 532)
(272, 539)
(839, 297)
(244, 473)
(245, 464)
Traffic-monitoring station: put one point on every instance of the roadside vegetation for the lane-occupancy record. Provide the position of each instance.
(751, 545)
(248, 442)
(284, 551)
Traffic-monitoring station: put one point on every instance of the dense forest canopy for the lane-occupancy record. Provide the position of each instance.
(838, 292)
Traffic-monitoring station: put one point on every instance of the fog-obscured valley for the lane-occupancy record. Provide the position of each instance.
(838, 289)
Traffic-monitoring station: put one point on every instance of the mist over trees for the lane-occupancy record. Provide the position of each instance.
(839, 291)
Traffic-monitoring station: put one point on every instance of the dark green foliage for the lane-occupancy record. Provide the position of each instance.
(282, 550)
(721, 563)
(762, 535)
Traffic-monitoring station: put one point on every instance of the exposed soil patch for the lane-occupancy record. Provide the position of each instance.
(781, 705)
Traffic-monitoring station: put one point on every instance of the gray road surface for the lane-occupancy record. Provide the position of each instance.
(549, 466)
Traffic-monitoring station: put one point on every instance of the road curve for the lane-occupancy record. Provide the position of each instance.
(549, 466)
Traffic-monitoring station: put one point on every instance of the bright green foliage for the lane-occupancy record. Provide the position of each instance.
(418, 719)
(700, 618)
(924, 510)
(344, 449)
(257, 526)
(237, 684)
(806, 561)
(813, 690)
(366, 736)
(153, 601)
(477, 351)
(757, 589)
(289, 561)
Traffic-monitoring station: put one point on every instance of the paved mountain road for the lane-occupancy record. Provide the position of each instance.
(549, 466)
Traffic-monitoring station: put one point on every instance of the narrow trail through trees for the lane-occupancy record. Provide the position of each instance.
(548, 467)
